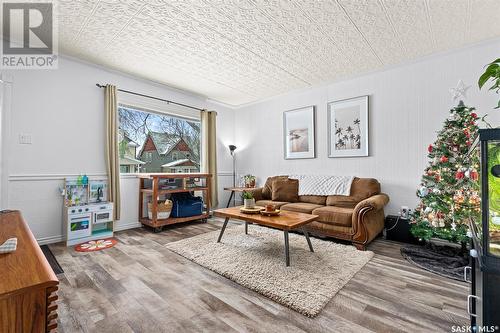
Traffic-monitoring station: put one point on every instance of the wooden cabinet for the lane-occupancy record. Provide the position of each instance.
(150, 190)
(28, 285)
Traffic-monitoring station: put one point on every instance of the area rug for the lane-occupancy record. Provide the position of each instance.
(446, 261)
(96, 245)
(257, 262)
(54, 264)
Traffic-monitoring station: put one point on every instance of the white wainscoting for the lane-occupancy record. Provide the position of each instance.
(38, 198)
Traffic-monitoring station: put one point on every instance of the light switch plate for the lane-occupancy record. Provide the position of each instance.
(25, 139)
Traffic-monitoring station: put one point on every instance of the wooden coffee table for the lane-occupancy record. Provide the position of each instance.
(286, 221)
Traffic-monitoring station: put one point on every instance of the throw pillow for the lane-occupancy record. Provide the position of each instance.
(267, 190)
(286, 190)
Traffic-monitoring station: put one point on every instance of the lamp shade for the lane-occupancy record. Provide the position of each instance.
(232, 148)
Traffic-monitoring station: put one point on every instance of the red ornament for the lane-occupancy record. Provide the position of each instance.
(474, 175)
(444, 159)
(473, 115)
(430, 148)
(468, 143)
(459, 175)
(467, 133)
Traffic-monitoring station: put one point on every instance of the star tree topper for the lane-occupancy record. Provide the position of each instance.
(460, 91)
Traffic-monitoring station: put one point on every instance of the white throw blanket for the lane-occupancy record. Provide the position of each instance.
(323, 185)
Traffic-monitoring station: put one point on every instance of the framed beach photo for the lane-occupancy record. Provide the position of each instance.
(298, 133)
(348, 127)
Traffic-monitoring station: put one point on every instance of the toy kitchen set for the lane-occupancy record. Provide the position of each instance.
(87, 213)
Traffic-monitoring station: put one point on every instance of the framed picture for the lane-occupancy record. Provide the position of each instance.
(98, 190)
(298, 133)
(348, 127)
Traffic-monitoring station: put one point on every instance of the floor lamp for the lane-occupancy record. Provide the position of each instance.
(232, 148)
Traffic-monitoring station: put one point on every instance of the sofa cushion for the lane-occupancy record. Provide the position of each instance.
(325, 229)
(334, 215)
(267, 190)
(361, 188)
(314, 199)
(342, 201)
(301, 207)
(263, 203)
(285, 190)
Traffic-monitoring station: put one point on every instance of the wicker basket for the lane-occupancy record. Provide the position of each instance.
(164, 209)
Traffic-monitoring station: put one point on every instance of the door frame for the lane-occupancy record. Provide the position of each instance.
(5, 131)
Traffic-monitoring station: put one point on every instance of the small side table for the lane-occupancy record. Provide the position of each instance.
(235, 189)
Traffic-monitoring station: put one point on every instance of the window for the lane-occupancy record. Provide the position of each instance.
(150, 133)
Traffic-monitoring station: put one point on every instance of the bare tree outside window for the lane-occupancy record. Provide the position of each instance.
(151, 142)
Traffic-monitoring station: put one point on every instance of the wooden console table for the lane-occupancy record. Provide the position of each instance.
(155, 192)
(28, 285)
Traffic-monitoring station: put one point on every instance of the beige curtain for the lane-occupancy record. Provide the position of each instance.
(209, 150)
(112, 164)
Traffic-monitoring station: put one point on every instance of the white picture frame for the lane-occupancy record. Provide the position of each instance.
(348, 127)
(299, 135)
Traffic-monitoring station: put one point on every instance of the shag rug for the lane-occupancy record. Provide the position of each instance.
(257, 261)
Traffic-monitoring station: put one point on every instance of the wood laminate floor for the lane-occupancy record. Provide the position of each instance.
(140, 286)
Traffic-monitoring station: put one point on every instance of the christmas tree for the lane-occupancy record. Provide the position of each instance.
(449, 187)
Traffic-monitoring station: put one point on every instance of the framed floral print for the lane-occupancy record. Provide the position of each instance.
(348, 127)
(298, 133)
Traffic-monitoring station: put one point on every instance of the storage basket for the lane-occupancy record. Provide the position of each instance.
(164, 209)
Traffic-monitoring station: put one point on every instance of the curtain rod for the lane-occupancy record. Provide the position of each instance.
(152, 97)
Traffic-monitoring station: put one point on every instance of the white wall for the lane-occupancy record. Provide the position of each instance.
(63, 112)
(408, 104)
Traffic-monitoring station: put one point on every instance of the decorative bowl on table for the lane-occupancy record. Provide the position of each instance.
(275, 212)
(254, 210)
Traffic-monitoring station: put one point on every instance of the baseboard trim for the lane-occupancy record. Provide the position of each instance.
(60, 238)
(126, 226)
(50, 240)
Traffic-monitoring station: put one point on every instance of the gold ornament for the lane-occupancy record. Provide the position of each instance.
(459, 198)
(474, 199)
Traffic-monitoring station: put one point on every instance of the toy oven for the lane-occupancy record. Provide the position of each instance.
(79, 225)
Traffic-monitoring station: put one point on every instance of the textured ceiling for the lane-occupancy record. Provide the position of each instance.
(240, 51)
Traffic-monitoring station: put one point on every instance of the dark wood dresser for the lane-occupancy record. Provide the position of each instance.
(28, 285)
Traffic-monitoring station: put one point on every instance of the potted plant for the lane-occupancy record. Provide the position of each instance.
(492, 74)
(249, 181)
(248, 200)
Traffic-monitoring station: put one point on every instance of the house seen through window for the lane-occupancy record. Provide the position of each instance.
(152, 142)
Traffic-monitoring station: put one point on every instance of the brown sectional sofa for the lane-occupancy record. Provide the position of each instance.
(358, 218)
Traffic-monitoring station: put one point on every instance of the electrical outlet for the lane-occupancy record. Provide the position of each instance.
(25, 139)
(404, 212)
